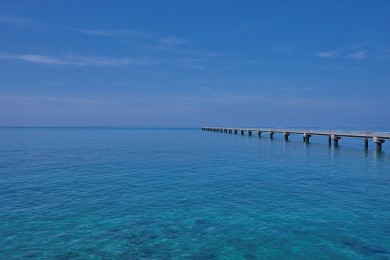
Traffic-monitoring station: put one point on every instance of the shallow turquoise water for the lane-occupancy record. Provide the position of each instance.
(69, 193)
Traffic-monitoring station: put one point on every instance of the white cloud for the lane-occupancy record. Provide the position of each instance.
(77, 61)
(173, 41)
(180, 50)
(55, 99)
(384, 52)
(101, 61)
(327, 54)
(40, 59)
(283, 49)
(17, 21)
(113, 32)
(359, 55)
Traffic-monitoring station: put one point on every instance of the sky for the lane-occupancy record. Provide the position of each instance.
(195, 63)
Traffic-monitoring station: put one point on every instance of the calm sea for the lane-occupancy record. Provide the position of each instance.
(137, 193)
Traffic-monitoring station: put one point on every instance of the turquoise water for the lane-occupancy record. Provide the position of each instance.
(122, 193)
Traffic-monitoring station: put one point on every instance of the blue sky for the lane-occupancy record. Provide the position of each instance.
(195, 63)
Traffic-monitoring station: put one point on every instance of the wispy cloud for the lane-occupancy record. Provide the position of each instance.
(327, 54)
(361, 45)
(180, 50)
(113, 32)
(359, 55)
(283, 49)
(294, 90)
(172, 40)
(55, 99)
(227, 98)
(101, 61)
(384, 52)
(77, 61)
(254, 100)
(17, 21)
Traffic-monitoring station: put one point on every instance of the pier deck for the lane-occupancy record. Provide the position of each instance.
(335, 135)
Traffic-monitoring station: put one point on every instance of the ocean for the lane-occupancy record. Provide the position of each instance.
(170, 193)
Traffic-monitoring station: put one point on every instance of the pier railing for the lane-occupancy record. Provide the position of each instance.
(335, 135)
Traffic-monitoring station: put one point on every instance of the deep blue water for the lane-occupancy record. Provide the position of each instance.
(122, 193)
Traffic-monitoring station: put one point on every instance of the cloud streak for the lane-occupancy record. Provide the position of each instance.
(147, 109)
(359, 55)
(101, 61)
(171, 40)
(327, 54)
(283, 49)
(55, 100)
(113, 32)
(77, 61)
(222, 98)
(17, 21)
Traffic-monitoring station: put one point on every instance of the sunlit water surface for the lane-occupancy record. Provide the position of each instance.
(130, 193)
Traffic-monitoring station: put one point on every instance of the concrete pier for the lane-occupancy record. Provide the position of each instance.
(306, 138)
(378, 142)
(335, 139)
(377, 138)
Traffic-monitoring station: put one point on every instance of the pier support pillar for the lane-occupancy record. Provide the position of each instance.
(230, 131)
(242, 132)
(378, 142)
(330, 140)
(366, 143)
(235, 131)
(306, 138)
(249, 132)
(286, 136)
(335, 139)
(259, 134)
(225, 130)
(271, 135)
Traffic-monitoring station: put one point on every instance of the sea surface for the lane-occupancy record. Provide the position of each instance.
(144, 193)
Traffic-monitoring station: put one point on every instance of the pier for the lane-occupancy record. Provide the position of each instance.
(333, 135)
